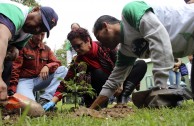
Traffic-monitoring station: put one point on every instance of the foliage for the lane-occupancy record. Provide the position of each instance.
(179, 116)
(61, 53)
(77, 86)
(30, 3)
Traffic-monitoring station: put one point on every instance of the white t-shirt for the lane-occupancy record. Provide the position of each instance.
(188, 65)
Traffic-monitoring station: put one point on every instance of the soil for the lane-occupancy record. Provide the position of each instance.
(10, 117)
(117, 111)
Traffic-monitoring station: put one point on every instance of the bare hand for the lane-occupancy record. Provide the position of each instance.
(44, 73)
(118, 92)
(12, 53)
(3, 90)
(190, 2)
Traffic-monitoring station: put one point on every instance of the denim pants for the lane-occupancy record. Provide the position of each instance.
(174, 77)
(26, 86)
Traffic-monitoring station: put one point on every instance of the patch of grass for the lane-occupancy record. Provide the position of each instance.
(179, 116)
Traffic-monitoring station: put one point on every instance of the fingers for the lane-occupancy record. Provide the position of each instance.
(46, 107)
(44, 75)
(3, 90)
(12, 53)
(118, 92)
(190, 2)
(3, 95)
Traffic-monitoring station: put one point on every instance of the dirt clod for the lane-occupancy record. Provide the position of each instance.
(117, 111)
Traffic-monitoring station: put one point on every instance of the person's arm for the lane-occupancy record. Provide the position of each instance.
(160, 47)
(178, 63)
(53, 63)
(114, 81)
(60, 89)
(58, 94)
(119, 74)
(16, 68)
(5, 36)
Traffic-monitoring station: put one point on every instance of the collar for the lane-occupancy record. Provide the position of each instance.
(122, 32)
(40, 45)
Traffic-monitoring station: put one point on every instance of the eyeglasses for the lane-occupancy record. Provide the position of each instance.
(78, 46)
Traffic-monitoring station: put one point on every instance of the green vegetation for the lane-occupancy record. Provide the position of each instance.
(30, 3)
(77, 86)
(180, 116)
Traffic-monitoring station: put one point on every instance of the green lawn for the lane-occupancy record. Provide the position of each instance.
(149, 73)
(180, 116)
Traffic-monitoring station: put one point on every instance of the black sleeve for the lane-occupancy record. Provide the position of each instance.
(6, 21)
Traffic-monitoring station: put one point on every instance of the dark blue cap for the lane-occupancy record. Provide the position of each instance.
(49, 18)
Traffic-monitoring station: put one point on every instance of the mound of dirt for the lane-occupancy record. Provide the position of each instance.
(117, 111)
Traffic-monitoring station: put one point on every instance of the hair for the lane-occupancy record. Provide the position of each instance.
(73, 24)
(81, 33)
(98, 25)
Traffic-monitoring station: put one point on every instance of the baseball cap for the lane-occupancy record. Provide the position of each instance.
(49, 18)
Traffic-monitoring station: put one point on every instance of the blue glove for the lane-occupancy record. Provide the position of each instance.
(48, 105)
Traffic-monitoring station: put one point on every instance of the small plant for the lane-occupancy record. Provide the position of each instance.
(80, 83)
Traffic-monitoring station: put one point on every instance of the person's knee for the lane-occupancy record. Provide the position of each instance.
(142, 64)
(61, 70)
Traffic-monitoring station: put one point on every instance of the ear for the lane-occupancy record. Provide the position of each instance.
(88, 40)
(35, 9)
(105, 25)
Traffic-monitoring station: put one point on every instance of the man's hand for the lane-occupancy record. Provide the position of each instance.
(12, 53)
(44, 73)
(48, 106)
(190, 2)
(98, 102)
(118, 92)
(137, 87)
(3, 90)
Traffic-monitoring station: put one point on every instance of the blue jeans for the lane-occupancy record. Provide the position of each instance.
(26, 86)
(174, 77)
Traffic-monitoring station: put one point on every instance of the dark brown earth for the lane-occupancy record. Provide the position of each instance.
(9, 117)
(117, 111)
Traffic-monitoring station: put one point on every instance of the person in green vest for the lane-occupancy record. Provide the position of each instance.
(70, 52)
(153, 30)
(17, 24)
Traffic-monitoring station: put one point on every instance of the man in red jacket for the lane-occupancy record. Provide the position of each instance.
(36, 68)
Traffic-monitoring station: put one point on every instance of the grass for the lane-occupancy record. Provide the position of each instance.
(179, 116)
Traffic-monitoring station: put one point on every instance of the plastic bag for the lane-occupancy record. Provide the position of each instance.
(183, 69)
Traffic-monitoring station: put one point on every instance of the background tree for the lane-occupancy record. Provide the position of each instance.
(30, 3)
(61, 54)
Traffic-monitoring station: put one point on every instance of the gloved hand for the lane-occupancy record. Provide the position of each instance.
(10, 92)
(48, 105)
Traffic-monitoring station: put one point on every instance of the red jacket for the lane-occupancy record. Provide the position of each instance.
(98, 57)
(30, 61)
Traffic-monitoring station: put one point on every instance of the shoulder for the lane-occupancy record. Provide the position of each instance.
(133, 12)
